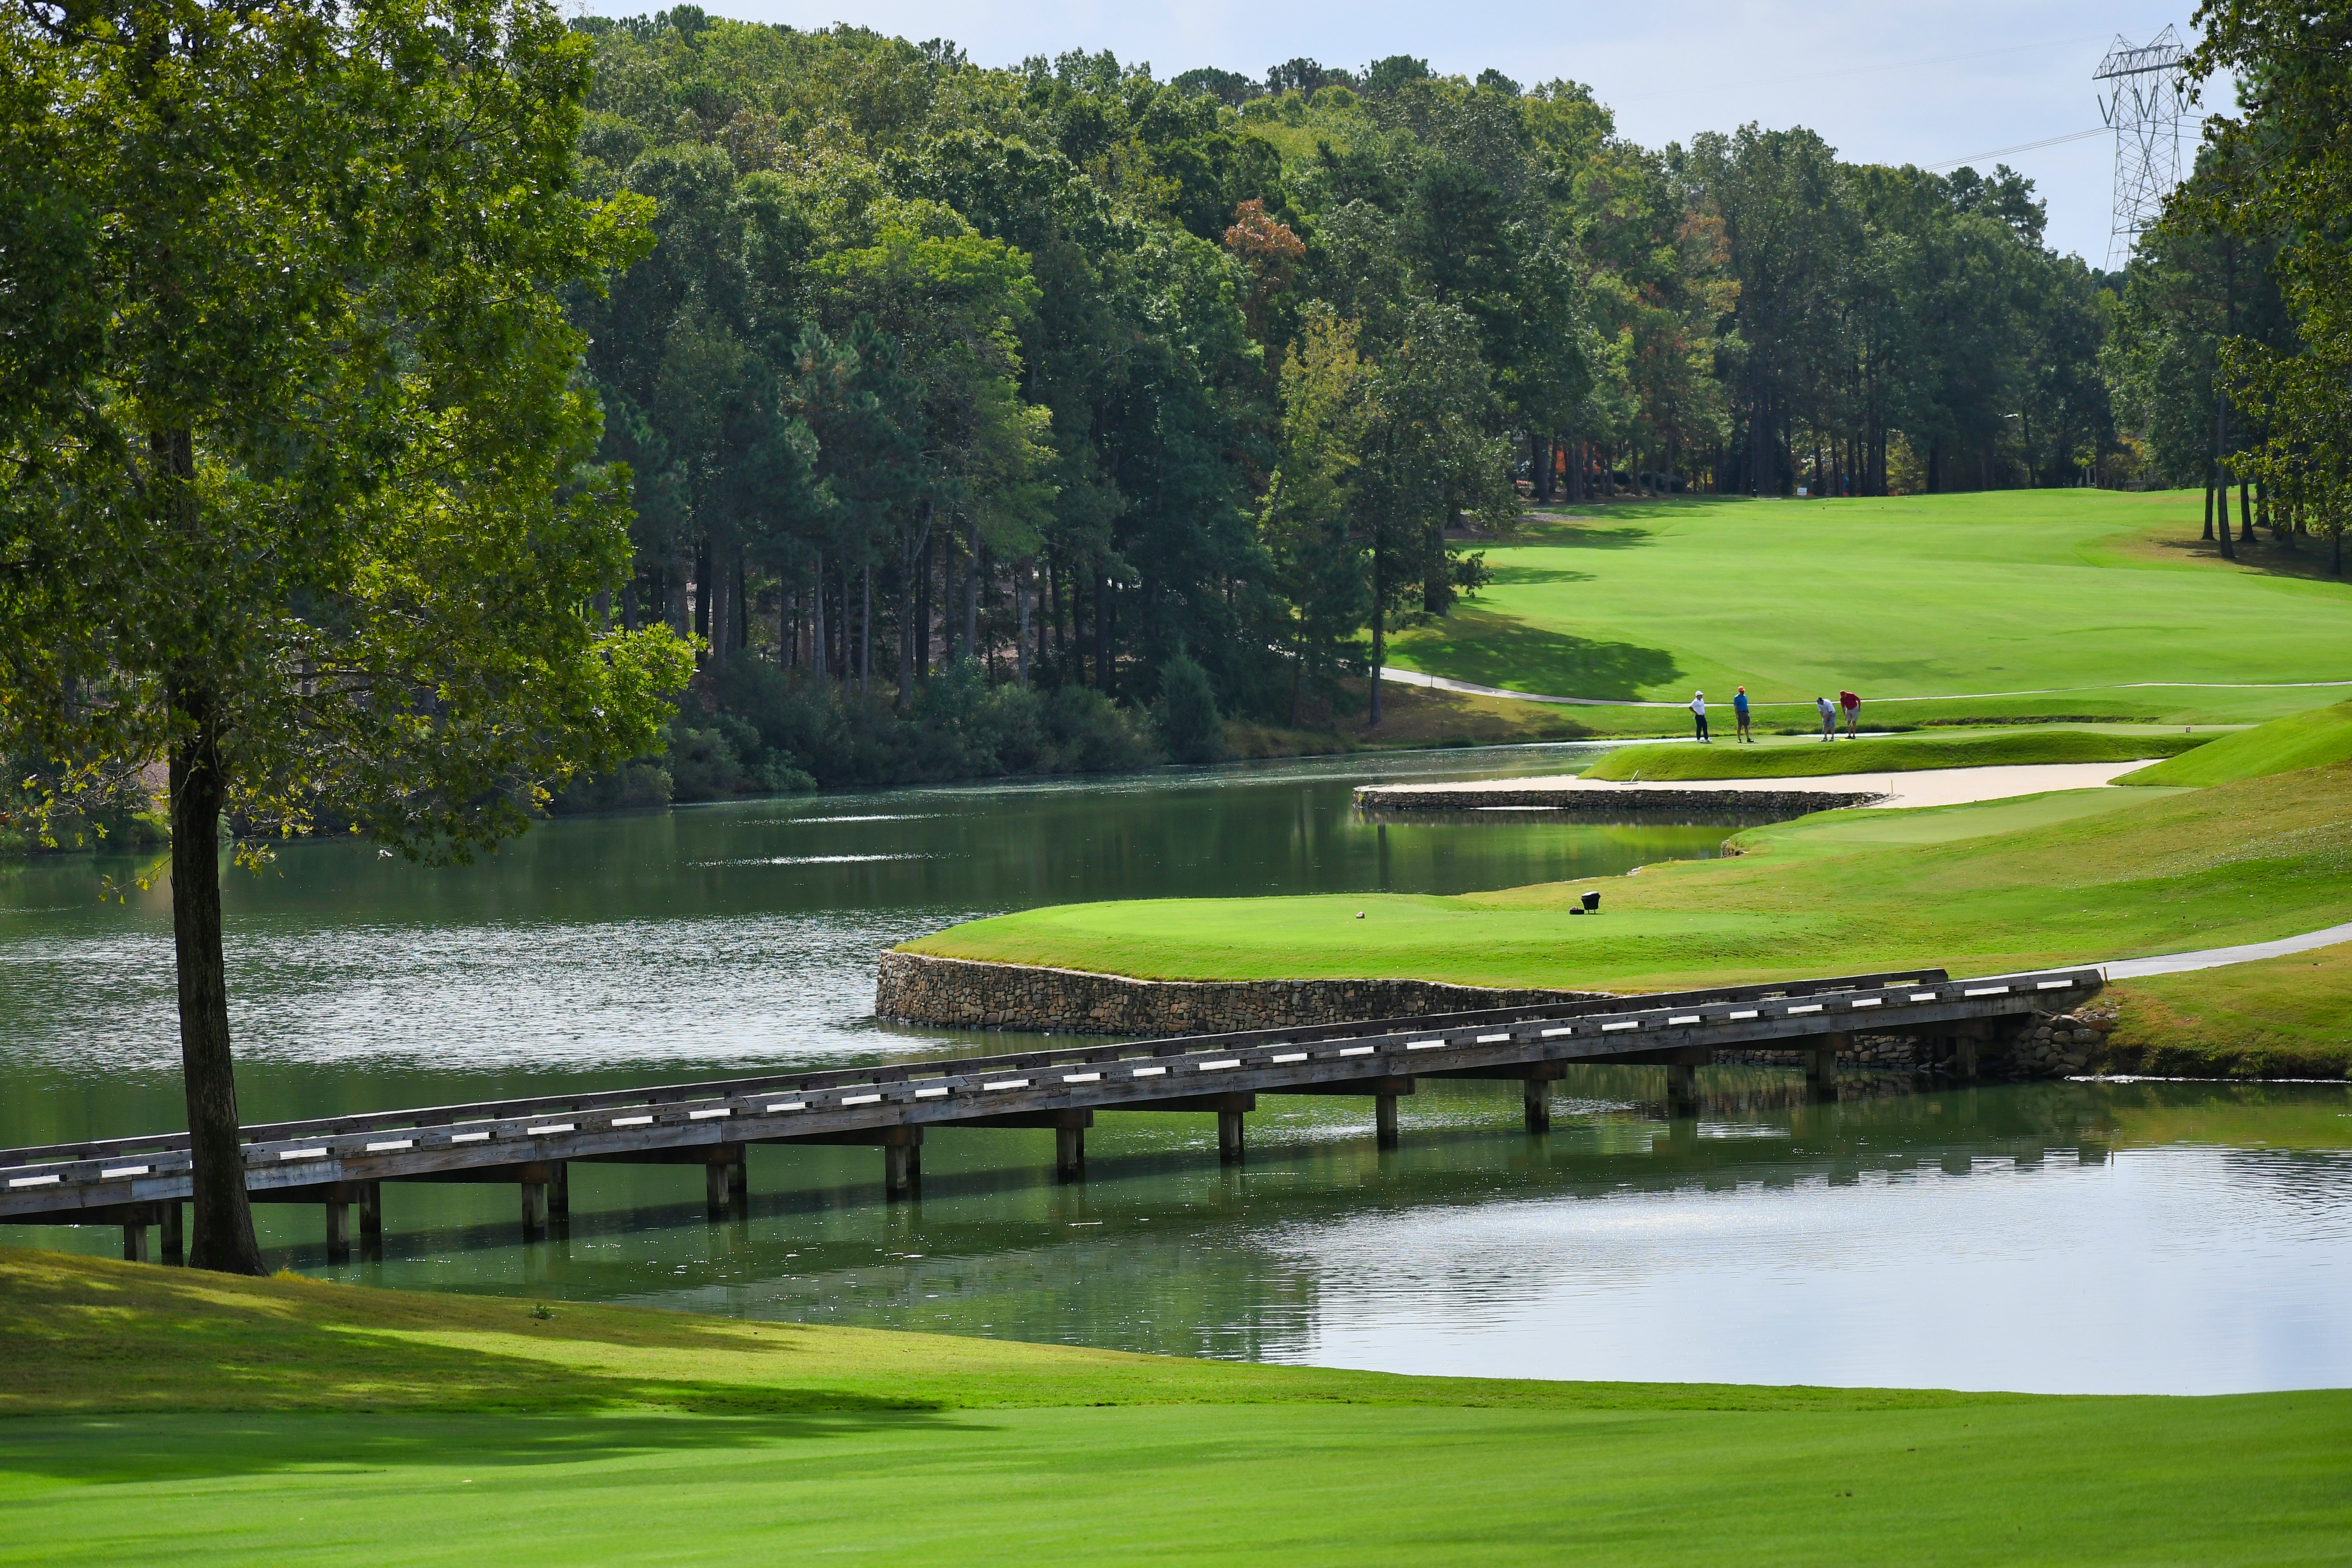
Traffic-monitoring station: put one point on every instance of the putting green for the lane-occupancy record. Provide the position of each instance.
(282, 1421)
(2076, 594)
(2072, 877)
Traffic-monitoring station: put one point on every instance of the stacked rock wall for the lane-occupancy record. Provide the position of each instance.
(2055, 1044)
(968, 994)
(965, 994)
(1628, 804)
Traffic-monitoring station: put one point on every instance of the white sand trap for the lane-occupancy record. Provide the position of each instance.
(1928, 786)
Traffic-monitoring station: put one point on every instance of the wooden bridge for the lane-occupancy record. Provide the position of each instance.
(341, 1163)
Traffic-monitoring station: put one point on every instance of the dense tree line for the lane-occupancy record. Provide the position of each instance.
(1112, 386)
(2232, 348)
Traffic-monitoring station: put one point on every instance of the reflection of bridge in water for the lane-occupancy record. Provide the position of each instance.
(341, 1162)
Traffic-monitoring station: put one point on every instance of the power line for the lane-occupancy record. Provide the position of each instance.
(2045, 141)
(2021, 147)
(1776, 80)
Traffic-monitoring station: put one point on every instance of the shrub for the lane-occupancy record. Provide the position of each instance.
(748, 728)
(1187, 712)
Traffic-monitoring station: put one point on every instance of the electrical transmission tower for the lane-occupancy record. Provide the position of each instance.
(2142, 99)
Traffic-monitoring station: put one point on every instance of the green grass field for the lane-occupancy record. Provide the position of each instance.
(153, 1415)
(2080, 875)
(2299, 741)
(2079, 592)
(1810, 758)
(2279, 1018)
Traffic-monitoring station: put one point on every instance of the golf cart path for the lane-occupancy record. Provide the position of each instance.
(1445, 683)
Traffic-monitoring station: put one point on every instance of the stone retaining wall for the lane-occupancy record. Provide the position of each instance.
(1864, 1051)
(1776, 804)
(2053, 1046)
(967, 993)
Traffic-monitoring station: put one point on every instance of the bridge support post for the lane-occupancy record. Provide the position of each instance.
(534, 1210)
(1069, 1152)
(1535, 1099)
(1682, 1091)
(895, 1178)
(134, 1241)
(339, 1231)
(372, 1221)
(1820, 1065)
(1229, 1137)
(174, 1238)
(727, 1182)
(559, 1192)
(1384, 1120)
(1964, 1050)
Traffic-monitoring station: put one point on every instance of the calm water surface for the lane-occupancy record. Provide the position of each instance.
(2073, 1236)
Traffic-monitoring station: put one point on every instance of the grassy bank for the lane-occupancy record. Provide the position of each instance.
(2076, 594)
(2003, 884)
(1886, 754)
(2282, 1018)
(2299, 741)
(155, 1414)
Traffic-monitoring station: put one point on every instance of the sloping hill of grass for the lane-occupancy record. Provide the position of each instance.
(2311, 740)
(2006, 884)
(287, 1421)
(1883, 754)
(1984, 600)
(2278, 1018)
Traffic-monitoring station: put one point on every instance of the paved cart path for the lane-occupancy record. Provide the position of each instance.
(1446, 683)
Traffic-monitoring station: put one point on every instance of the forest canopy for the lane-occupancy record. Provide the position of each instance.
(1083, 376)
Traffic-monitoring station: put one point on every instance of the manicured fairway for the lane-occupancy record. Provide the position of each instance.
(1916, 596)
(2082, 875)
(1887, 754)
(351, 1426)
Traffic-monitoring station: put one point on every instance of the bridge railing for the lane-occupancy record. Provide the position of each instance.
(1186, 1073)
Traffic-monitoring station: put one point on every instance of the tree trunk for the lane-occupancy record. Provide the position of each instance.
(1540, 460)
(1380, 639)
(972, 572)
(821, 647)
(1021, 591)
(702, 587)
(2221, 477)
(224, 1238)
(1103, 613)
(2246, 511)
(923, 612)
(2207, 534)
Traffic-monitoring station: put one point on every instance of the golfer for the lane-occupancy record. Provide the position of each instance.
(1829, 717)
(1698, 712)
(1740, 712)
(1852, 706)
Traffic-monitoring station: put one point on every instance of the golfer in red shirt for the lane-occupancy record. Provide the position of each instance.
(1852, 706)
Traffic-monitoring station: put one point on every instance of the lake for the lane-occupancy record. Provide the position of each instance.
(2073, 1236)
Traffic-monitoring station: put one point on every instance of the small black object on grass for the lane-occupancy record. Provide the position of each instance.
(1591, 902)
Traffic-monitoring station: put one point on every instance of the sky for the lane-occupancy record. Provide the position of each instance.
(1924, 81)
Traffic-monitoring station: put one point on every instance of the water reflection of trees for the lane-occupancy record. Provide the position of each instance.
(1161, 1249)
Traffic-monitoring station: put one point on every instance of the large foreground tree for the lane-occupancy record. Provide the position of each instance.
(294, 482)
